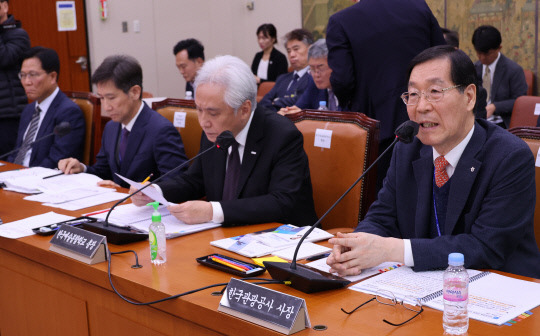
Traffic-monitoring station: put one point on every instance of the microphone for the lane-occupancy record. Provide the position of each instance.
(310, 280)
(124, 235)
(60, 130)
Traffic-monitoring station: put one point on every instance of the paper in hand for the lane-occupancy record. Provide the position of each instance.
(150, 192)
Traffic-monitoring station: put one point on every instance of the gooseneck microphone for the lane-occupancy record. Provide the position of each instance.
(60, 130)
(309, 280)
(121, 235)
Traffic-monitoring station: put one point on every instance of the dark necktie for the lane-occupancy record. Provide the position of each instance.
(30, 135)
(123, 144)
(232, 174)
(293, 84)
(441, 176)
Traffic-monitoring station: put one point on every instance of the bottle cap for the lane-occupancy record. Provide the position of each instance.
(322, 103)
(456, 259)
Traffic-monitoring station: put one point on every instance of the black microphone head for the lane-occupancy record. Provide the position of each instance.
(62, 129)
(225, 140)
(407, 131)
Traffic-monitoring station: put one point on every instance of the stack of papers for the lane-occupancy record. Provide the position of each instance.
(140, 218)
(25, 180)
(23, 227)
(265, 242)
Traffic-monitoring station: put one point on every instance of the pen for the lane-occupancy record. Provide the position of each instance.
(148, 178)
(46, 177)
(317, 257)
(227, 264)
(96, 212)
(234, 262)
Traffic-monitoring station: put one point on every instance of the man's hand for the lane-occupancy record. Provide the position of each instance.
(140, 199)
(108, 184)
(288, 110)
(192, 212)
(353, 252)
(490, 109)
(70, 166)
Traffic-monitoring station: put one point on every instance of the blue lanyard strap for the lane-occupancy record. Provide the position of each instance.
(435, 205)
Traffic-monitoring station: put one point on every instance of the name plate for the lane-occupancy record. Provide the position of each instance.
(281, 312)
(79, 244)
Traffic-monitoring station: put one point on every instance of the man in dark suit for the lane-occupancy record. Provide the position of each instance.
(189, 55)
(502, 78)
(263, 177)
(370, 45)
(461, 186)
(39, 75)
(137, 141)
(290, 86)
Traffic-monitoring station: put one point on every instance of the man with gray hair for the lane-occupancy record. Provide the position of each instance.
(290, 86)
(263, 177)
(320, 88)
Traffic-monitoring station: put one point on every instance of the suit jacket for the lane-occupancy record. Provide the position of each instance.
(311, 98)
(370, 45)
(47, 152)
(154, 146)
(490, 205)
(508, 84)
(277, 65)
(274, 183)
(278, 97)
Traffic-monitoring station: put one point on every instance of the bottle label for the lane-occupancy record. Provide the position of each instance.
(455, 290)
(153, 245)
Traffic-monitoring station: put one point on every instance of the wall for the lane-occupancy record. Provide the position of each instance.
(224, 27)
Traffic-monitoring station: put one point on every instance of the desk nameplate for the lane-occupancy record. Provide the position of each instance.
(82, 245)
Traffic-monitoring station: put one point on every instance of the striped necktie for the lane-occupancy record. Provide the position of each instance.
(29, 137)
(486, 83)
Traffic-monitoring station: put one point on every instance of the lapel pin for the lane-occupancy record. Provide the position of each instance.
(254, 153)
(472, 169)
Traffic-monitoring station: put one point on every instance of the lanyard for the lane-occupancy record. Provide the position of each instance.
(435, 205)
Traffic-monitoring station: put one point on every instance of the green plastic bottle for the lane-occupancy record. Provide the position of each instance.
(156, 237)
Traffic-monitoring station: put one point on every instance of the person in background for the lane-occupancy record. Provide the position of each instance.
(137, 141)
(461, 186)
(14, 42)
(503, 79)
(290, 86)
(39, 75)
(269, 63)
(370, 45)
(451, 37)
(262, 177)
(320, 89)
(189, 56)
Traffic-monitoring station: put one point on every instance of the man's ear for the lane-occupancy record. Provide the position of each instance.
(471, 94)
(135, 92)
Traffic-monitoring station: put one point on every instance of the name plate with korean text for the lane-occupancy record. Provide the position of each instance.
(271, 309)
(79, 244)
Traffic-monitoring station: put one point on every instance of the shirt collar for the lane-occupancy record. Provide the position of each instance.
(302, 72)
(493, 65)
(241, 137)
(46, 103)
(454, 155)
(130, 124)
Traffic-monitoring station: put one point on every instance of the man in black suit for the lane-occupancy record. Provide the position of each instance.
(263, 177)
(503, 79)
(370, 45)
(189, 55)
(290, 86)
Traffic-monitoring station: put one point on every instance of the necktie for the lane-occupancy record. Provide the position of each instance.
(292, 84)
(30, 135)
(441, 176)
(123, 144)
(486, 82)
(332, 106)
(232, 174)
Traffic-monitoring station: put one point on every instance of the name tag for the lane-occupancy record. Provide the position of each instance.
(180, 119)
(323, 138)
(79, 244)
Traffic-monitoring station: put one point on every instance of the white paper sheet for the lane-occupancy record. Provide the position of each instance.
(153, 193)
(23, 227)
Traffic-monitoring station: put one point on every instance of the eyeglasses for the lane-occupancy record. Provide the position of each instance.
(31, 75)
(388, 298)
(433, 94)
(319, 69)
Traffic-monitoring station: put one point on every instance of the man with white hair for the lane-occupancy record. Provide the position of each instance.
(263, 177)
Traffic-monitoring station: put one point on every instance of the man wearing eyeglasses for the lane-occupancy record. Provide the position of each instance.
(50, 107)
(461, 186)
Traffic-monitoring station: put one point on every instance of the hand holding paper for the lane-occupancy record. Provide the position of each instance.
(152, 193)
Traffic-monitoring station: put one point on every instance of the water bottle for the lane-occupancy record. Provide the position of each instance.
(456, 296)
(156, 237)
(322, 106)
(189, 95)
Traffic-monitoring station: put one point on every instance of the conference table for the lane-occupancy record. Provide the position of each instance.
(45, 293)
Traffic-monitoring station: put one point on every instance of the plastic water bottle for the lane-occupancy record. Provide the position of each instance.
(322, 106)
(156, 237)
(189, 95)
(456, 296)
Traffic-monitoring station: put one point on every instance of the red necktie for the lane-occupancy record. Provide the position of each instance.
(441, 176)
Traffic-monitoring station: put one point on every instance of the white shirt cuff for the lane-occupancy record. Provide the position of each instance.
(157, 188)
(407, 253)
(217, 213)
(85, 168)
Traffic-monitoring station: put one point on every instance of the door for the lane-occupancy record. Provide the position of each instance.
(38, 18)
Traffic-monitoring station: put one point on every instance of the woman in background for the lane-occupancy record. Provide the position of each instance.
(269, 63)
